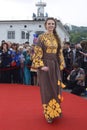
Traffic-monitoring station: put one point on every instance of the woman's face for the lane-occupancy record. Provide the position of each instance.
(4, 46)
(50, 25)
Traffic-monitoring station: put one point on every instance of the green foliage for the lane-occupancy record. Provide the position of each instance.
(78, 34)
(76, 37)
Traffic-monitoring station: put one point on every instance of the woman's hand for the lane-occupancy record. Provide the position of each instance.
(45, 68)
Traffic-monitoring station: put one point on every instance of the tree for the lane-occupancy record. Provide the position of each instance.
(75, 37)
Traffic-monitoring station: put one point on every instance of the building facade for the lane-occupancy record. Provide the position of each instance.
(20, 31)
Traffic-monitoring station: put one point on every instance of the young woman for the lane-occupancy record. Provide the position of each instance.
(5, 56)
(48, 58)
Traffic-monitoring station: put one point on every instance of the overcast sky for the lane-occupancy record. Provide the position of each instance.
(72, 12)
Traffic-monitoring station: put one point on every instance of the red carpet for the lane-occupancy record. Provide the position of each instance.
(21, 109)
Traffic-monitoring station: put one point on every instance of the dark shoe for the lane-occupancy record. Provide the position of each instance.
(49, 120)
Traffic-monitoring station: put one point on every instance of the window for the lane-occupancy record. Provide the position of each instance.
(11, 26)
(11, 35)
(39, 26)
(27, 35)
(24, 35)
(25, 26)
(39, 32)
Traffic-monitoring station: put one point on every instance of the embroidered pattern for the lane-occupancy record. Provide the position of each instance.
(51, 45)
(52, 109)
(50, 42)
(62, 62)
(61, 84)
(38, 53)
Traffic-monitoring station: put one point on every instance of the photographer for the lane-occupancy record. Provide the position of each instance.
(84, 54)
(76, 80)
(78, 56)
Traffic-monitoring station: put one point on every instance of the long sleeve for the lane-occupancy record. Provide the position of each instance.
(37, 56)
(62, 62)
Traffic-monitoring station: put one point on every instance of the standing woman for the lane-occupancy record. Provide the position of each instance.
(49, 61)
(27, 62)
(5, 55)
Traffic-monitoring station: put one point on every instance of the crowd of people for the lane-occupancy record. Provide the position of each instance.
(16, 61)
(75, 71)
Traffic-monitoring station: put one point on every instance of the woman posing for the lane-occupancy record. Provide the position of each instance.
(48, 58)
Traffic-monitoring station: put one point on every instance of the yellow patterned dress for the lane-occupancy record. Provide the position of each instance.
(45, 54)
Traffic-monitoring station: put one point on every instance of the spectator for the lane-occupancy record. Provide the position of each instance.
(27, 64)
(77, 80)
(5, 59)
(68, 57)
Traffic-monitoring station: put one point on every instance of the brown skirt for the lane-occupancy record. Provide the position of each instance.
(50, 91)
